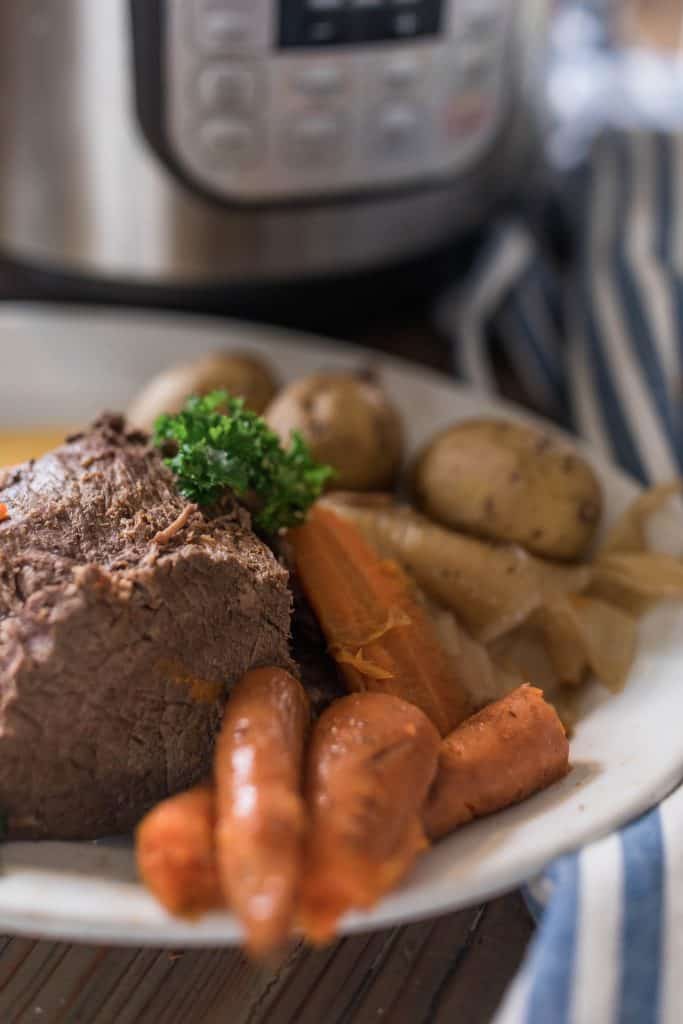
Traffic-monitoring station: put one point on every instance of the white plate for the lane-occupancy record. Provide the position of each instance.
(58, 365)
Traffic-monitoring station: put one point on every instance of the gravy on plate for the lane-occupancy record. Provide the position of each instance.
(20, 445)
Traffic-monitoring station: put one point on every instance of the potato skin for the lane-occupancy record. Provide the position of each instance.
(241, 374)
(348, 423)
(509, 482)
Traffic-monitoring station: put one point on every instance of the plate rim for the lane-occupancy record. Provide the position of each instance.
(260, 331)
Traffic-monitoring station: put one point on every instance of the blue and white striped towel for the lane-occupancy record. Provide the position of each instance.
(599, 347)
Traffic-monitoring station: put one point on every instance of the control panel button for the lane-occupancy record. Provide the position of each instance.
(398, 129)
(224, 30)
(319, 79)
(228, 142)
(477, 63)
(402, 71)
(316, 138)
(484, 8)
(231, 26)
(483, 22)
(227, 88)
(468, 116)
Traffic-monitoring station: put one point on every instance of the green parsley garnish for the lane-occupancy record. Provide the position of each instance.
(236, 449)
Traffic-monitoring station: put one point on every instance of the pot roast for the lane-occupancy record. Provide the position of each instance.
(125, 617)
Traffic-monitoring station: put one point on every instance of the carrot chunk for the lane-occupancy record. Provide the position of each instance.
(377, 631)
(496, 758)
(174, 846)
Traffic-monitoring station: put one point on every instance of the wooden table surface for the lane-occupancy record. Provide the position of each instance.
(451, 969)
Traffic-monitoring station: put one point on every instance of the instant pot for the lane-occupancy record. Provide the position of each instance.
(199, 144)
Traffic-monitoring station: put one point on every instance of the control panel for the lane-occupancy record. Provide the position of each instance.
(268, 101)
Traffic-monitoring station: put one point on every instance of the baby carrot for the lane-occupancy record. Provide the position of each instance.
(370, 764)
(260, 809)
(174, 846)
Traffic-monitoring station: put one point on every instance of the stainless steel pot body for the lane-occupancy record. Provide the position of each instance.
(83, 192)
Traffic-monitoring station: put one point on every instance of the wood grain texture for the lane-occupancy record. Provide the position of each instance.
(451, 969)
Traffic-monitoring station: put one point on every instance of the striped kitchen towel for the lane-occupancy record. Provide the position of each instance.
(596, 343)
(591, 342)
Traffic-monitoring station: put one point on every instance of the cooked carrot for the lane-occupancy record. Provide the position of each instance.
(174, 846)
(380, 636)
(370, 764)
(4, 511)
(498, 757)
(260, 809)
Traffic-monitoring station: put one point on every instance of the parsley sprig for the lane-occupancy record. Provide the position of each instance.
(220, 445)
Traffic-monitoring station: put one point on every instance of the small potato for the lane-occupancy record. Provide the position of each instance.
(511, 483)
(240, 374)
(349, 424)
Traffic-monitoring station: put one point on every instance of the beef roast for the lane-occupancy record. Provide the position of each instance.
(125, 616)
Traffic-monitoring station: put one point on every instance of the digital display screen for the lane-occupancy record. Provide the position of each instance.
(341, 22)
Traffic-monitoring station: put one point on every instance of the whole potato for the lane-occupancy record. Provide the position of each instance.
(348, 423)
(242, 375)
(512, 483)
